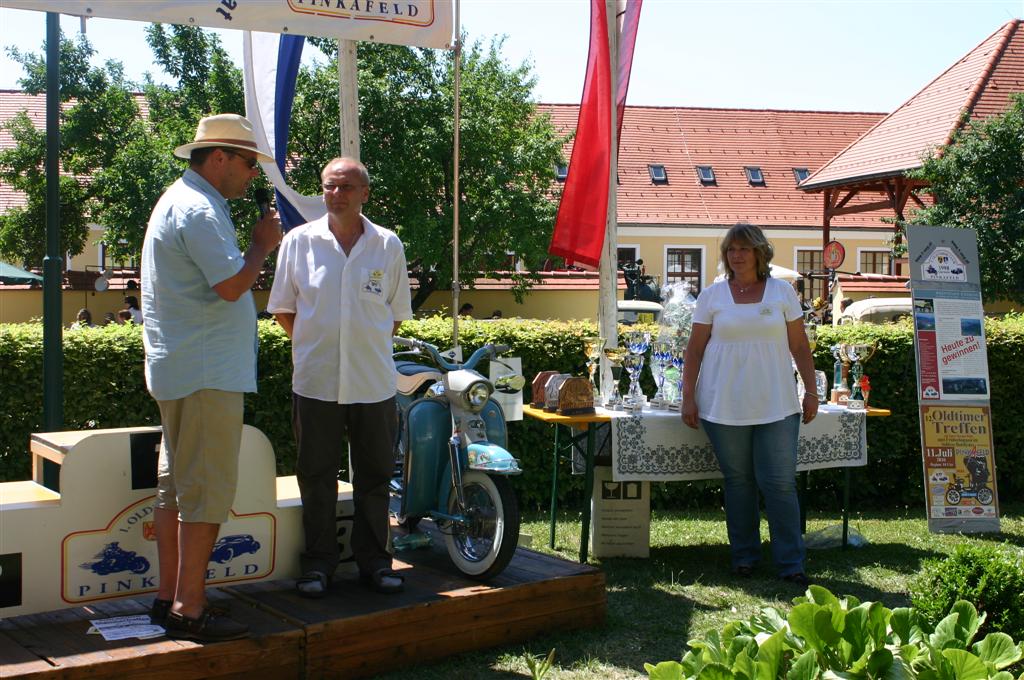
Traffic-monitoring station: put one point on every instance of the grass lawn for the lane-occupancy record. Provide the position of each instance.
(685, 588)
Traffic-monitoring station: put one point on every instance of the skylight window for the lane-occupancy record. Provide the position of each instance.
(658, 175)
(801, 174)
(754, 175)
(561, 172)
(706, 174)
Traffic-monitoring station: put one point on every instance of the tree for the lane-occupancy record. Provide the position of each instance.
(406, 105)
(98, 115)
(978, 183)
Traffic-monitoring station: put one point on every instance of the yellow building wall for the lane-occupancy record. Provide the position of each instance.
(538, 304)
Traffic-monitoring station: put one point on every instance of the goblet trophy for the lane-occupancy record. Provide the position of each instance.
(857, 353)
(661, 358)
(840, 390)
(638, 342)
(678, 357)
(634, 363)
(592, 348)
(615, 356)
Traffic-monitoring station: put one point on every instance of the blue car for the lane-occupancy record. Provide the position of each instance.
(228, 547)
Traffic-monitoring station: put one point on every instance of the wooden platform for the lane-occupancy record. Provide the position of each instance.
(351, 633)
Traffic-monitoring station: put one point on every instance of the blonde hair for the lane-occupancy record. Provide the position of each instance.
(755, 238)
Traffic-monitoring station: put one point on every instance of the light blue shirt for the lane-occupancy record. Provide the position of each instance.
(194, 339)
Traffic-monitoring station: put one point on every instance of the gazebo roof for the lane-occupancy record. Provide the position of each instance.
(977, 86)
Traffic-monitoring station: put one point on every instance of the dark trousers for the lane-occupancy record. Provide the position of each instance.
(371, 428)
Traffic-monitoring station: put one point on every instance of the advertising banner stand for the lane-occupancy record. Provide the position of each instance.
(953, 388)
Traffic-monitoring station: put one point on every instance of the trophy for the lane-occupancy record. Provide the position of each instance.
(857, 354)
(592, 348)
(614, 355)
(840, 390)
(634, 363)
(678, 357)
(661, 359)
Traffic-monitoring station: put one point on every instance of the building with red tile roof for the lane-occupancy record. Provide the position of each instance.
(975, 87)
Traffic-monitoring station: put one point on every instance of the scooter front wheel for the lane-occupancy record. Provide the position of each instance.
(484, 543)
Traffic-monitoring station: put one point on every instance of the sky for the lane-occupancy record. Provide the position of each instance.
(866, 55)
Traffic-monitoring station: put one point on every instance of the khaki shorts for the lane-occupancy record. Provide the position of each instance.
(198, 469)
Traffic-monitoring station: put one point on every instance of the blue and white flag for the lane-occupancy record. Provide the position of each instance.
(271, 66)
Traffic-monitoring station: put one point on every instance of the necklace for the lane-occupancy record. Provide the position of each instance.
(743, 289)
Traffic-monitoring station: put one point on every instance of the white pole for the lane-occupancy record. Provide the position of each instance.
(348, 98)
(455, 179)
(609, 276)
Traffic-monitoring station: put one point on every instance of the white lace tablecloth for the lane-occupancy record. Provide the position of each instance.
(657, 446)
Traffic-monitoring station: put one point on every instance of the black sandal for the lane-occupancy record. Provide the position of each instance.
(376, 582)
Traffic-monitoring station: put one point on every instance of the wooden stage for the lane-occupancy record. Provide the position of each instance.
(351, 633)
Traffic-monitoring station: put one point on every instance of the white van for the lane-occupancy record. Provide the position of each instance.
(876, 310)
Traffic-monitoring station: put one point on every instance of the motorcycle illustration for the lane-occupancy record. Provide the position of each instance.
(977, 467)
(113, 558)
(453, 466)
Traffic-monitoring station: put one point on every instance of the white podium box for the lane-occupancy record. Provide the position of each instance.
(621, 517)
(94, 539)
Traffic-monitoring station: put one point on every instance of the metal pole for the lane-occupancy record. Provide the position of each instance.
(455, 179)
(53, 357)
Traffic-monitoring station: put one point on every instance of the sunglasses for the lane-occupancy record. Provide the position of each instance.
(251, 162)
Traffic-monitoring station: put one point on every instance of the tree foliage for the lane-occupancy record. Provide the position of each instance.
(978, 183)
(406, 105)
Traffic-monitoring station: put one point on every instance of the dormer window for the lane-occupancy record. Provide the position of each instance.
(754, 176)
(706, 174)
(658, 175)
(800, 174)
(561, 172)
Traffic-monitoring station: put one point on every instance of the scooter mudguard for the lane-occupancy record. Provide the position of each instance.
(494, 423)
(492, 459)
(428, 426)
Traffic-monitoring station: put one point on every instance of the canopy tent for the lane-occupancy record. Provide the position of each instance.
(10, 274)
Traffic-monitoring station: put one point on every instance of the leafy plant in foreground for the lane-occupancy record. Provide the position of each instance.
(829, 637)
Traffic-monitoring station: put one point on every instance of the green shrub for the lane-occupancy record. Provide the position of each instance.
(104, 387)
(827, 637)
(989, 576)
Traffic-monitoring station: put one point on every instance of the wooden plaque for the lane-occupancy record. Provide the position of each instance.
(575, 397)
(539, 382)
(551, 391)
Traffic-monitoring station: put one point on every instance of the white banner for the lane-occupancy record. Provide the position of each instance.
(423, 23)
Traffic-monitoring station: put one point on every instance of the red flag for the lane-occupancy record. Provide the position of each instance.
(583, 211)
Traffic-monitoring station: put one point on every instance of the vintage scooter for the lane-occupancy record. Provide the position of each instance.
(453, 463)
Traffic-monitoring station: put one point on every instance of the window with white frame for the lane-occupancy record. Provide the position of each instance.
(874, 261)
(684, 264)
(626, 255)
(808, 261)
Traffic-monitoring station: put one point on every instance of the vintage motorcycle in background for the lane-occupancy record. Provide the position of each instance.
(453, 466)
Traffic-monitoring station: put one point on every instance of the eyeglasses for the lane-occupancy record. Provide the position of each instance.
(344, 188)
(252, 162)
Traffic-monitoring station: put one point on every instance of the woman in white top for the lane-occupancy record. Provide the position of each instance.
(738, 382)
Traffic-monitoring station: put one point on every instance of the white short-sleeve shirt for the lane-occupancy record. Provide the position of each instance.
(345, 307)
(746, 376)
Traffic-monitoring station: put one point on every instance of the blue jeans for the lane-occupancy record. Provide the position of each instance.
(754, 457)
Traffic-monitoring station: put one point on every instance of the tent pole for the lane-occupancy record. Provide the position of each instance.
(53, 357)
(456, 124)
(348, 98)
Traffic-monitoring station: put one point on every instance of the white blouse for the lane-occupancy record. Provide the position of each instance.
(746, 376)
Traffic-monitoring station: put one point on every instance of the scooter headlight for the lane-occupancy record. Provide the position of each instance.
(478, 394)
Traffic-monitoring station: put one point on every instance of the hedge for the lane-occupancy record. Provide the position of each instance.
(104, 387)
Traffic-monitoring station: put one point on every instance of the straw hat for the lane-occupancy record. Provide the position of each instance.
(224, 130)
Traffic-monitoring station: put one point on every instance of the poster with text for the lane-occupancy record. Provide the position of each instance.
(952, 361)
(959, 465)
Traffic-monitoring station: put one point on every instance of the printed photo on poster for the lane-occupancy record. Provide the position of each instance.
(959, 467)
(953, 362)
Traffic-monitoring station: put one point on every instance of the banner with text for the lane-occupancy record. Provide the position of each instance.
(953, 387)
(423, 23)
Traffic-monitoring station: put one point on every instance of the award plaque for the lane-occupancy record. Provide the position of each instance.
(537, 395)
(551, 391)
(575, 397)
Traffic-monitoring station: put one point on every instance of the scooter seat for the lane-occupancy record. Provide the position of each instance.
(412, 375)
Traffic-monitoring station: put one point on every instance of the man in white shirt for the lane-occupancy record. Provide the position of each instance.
(341, 291)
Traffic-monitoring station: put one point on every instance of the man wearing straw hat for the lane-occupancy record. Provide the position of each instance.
(200, 340)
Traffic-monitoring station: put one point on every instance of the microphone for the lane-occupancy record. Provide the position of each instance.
(262, 197)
